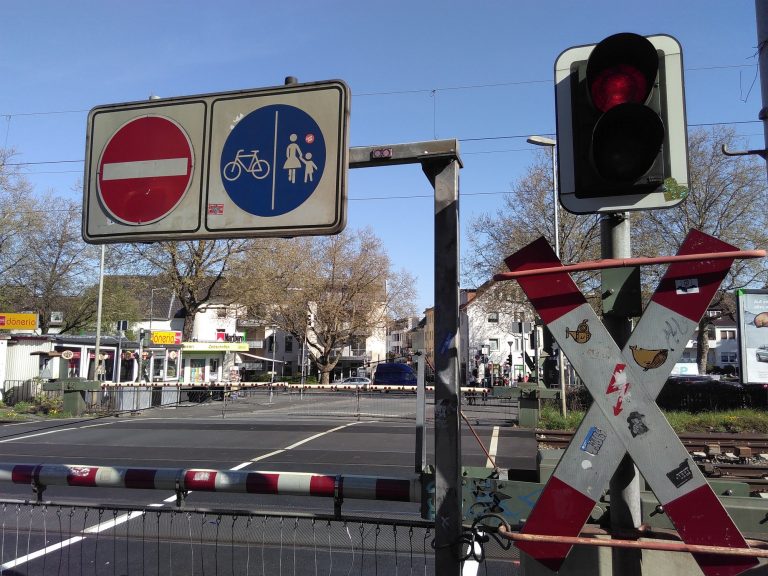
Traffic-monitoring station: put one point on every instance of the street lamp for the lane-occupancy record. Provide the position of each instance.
(544, 141)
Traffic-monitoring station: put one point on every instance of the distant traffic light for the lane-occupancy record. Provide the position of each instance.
(621, 129)
(509, 359)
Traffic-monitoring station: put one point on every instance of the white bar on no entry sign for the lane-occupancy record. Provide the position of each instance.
(145, 169)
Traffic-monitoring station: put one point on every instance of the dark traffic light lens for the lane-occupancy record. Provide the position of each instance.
(619, 85)
(626, 141)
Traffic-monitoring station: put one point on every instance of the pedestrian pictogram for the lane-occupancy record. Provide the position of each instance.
(145, 170)
(272, 160)
(624, 417)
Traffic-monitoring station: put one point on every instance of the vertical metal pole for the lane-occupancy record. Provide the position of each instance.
(421, 401)
(761, 13)
(97, 350)
(444, 175)
(625, 483)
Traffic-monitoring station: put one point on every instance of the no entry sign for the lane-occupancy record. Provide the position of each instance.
(145, 170)
(270, 162)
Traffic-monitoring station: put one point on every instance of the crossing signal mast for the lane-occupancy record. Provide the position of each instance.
(621, 128)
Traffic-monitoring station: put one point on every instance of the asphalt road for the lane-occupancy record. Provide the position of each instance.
(208, 436)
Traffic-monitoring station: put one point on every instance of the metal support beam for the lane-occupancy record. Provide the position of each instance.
(624, 486)
(440, 161)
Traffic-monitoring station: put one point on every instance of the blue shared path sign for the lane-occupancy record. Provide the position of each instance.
(273, 160)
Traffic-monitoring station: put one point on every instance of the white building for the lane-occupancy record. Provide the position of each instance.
(492, 332)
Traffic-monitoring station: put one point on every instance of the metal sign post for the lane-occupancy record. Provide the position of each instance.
(440, 161)
(624, 417)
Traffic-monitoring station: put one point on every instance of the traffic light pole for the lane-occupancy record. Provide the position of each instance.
(625, 483)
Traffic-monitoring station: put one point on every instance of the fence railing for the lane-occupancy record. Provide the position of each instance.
(293, 400)
(50, 538)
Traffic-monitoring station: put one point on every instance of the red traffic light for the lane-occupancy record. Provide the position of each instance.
(621, 69)
(621, 130)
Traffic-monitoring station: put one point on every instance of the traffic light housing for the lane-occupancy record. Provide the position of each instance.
(509, 359)
(621, 128)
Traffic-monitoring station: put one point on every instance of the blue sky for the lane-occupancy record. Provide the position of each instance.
(481, 72)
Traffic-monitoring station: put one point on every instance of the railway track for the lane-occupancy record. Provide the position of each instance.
(699, 442)
(726, 456)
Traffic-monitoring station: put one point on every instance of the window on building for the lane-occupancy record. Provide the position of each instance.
(727, 334)
(711, 332)
(494, 344)
(728, 357)
(221, 312)
(288, 368)
(289, 343)
(493, 317)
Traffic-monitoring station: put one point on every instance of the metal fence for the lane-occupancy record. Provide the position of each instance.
(236, 400)
(14, 391)
(68, 539)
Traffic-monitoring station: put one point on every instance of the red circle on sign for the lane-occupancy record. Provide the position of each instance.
(309, 138)
(145, 170)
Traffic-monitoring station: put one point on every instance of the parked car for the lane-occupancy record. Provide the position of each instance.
(394, 374)
(357, 381)
(762, 353)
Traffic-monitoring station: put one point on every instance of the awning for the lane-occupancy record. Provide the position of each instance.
(260, 357)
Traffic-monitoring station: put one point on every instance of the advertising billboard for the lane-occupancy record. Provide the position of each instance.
(753, 335)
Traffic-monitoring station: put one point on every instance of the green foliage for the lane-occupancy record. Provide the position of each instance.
(745, 420)
(551, 419)
(40, 405)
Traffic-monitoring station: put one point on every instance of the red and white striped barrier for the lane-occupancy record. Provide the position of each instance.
(202, 480)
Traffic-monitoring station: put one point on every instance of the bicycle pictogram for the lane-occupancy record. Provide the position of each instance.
(257, 167)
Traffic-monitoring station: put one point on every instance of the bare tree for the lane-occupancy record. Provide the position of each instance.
(195, 270)
(18, 213)
(58, 270)
(527, 214)
(347, 284)
(727, 199)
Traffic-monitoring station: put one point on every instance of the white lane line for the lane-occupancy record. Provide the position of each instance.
(493, 447)
(54, 432)
(36, 435)
(103, 526)
(96, 425)
(48, 549)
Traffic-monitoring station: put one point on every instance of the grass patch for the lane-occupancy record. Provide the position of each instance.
(551, 419)
(745, 420)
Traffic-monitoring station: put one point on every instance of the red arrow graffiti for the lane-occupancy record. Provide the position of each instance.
(618, 384)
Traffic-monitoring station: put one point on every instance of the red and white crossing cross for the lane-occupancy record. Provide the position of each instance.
(144, 170)
(624, 416)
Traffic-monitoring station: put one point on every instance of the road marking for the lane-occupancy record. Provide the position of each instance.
(103, 526)
(35, 435)
(493, 447)
(34, 555)
(54, 432)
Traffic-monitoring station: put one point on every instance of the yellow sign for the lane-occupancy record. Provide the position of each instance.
(10, 321)
(166, 337)
(215, 347)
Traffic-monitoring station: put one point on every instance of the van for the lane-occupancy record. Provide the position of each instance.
(394, 374)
